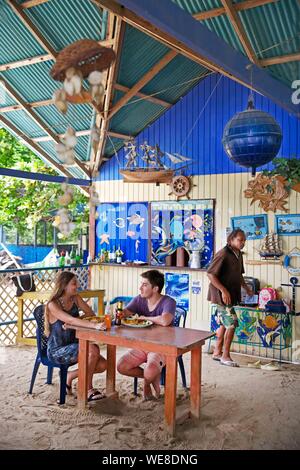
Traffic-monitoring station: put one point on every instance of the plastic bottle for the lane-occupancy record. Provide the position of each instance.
(107, 317)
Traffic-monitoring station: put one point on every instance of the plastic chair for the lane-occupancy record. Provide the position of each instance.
(179, 317)
(42, 358)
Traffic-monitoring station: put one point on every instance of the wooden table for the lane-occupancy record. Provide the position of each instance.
(43, 296)
(170, 341)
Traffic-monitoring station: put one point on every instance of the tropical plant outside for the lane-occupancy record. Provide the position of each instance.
(24, 203)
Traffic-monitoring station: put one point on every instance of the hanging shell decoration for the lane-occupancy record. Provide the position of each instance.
(65, 149)
(269, 191)
(63, 219)
(82, 59)
(63, 222)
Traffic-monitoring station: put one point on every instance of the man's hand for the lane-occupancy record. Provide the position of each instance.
(226, 297)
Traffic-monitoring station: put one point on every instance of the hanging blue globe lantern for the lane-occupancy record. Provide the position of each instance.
(252, 138)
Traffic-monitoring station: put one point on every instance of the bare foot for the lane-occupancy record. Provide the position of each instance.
(156, 386)
(147, 391)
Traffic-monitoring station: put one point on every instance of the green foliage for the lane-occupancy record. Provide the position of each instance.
(24, 202)
(289, 168)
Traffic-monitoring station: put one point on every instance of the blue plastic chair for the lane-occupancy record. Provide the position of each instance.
(42, 358)
(179, 317)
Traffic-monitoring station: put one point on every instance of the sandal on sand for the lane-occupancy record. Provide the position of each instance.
(216, 358)
(95, 395)
(229, 363)
(271, 366)
(255, 365)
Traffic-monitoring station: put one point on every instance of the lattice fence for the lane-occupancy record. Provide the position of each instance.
(44, 280)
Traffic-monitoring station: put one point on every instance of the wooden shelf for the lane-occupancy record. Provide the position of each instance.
(263, 261)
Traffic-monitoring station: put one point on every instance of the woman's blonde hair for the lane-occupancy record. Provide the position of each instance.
(61, 283)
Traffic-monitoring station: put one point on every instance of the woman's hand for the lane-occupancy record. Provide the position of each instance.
(226, 297)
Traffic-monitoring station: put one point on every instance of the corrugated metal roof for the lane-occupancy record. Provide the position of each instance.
(63, 22)
(272, 29)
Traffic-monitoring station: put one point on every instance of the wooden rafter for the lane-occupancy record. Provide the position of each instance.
(46, 138)
(142, 82)
(31, 27)
(239, 29)
(38, 120)
(40, 58)
(153, 99)
(118, 30)
(279, 59)
(205, 15)
(33, 3)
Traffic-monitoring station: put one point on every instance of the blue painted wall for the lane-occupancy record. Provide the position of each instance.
(194, 128)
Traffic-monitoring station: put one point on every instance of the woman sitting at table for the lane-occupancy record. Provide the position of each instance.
(63, 308)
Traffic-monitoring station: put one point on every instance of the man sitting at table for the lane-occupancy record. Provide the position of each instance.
(160, 309)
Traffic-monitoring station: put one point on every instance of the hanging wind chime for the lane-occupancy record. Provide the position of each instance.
(84, 59)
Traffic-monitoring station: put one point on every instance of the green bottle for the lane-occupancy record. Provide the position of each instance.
(77, 258)
(73, 257)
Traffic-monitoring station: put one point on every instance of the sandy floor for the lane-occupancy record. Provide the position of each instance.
(242, 408)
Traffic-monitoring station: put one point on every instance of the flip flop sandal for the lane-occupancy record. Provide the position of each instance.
(255, 365)
(229, 363)
(95, 395)
(271, 366)
(216, 358)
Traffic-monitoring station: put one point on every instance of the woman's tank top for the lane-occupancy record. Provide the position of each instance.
(58, 335)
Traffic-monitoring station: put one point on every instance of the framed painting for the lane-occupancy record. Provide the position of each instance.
(254, 226)
(287, 224)
(123, 226)
(182, 233)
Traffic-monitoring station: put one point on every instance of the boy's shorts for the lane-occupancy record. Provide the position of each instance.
(225, 316)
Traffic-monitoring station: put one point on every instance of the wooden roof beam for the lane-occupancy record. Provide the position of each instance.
(281, 59)
(213, 13)
(83, 133)
(153, 99)
(33, 3)
(38, 120)
(18, 10)
(111, 78)
(40, 58)
(142, 82)
(239, 29)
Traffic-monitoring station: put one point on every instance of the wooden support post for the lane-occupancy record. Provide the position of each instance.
(170, 394)
(196, 356)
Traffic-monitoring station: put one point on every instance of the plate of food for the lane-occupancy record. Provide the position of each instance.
(136, 322)
(93, 319)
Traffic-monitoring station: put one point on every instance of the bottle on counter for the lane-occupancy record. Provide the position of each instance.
(89, 259)
(107, 316)
(56, 257)
(62, 260)
(113, 255)
(67, 259)
(77, 258)
(119, 254)
(73, 257)
(119, 313)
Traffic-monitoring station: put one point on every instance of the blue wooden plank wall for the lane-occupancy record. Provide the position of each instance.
(194, 127)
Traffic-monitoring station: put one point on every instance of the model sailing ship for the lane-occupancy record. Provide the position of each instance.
(153, 170)
(271, 246)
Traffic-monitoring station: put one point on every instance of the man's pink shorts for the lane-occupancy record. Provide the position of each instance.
(136, 357)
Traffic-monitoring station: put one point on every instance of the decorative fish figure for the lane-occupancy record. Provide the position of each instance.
(136, 219)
